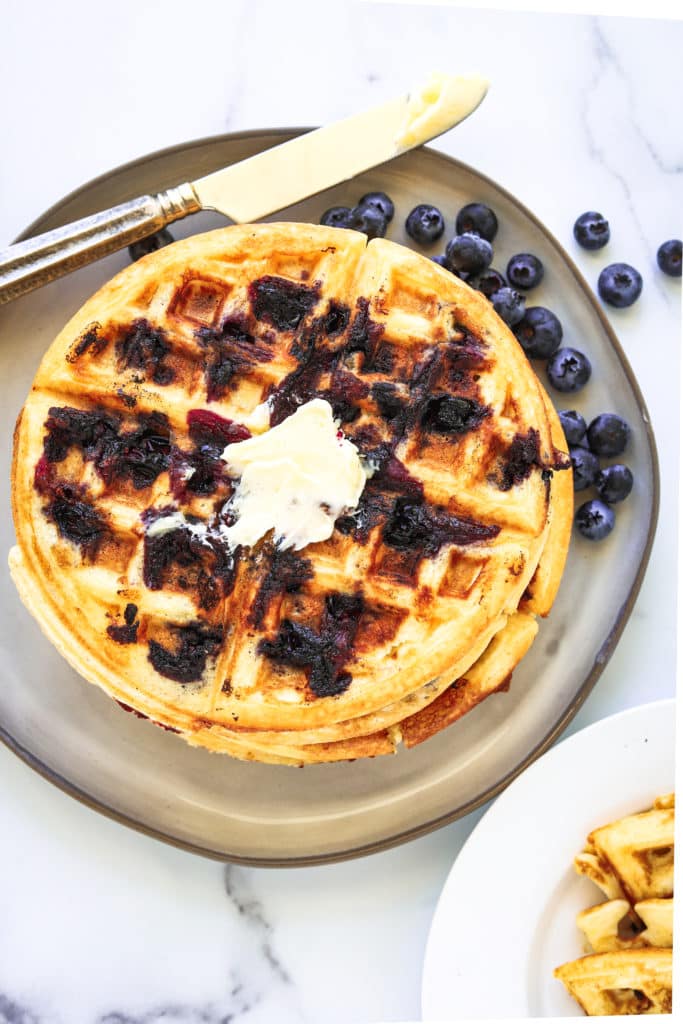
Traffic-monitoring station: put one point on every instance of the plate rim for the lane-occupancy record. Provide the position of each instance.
(279, 135)
(655, 707)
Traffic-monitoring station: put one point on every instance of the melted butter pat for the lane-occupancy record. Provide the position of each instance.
(438, 105)
(295, 479)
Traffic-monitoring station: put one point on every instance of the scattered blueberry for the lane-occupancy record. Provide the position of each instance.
(425, 224)
(539, 332)
(595, 520)
(608, 434)
(468, 252)
(591, 230)
(379, 201)
(441, 260)
(509, 305)
(585, 466)
(477, 219)
(525, 270)
(614, 483)
(573, 425)
(568, 370)
(337, 217)
(369, 220)
(619, 285)
(150, 244)
(669, 257)
(488, 282)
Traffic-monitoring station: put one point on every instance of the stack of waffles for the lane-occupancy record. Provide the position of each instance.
(426, 595)
(630, 935)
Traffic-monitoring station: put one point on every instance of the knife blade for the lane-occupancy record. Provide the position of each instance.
(285, 174)
(253, 188)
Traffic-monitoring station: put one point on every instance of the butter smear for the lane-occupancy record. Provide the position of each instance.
(442, 102)
(295, 479)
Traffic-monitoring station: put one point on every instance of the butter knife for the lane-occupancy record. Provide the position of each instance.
(252, 188)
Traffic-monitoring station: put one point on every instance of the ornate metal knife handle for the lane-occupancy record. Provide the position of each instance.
(27, 265)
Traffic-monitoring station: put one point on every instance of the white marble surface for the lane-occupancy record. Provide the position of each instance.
(99, 924)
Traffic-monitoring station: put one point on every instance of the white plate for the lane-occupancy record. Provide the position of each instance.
(507, 914)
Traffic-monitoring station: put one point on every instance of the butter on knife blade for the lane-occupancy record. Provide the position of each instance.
(294, 170)
(444, 100)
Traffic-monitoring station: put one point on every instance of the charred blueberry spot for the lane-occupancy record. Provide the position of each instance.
(389, 402)
(130, 613)
(299, 386)
(143, 347)
(321, 654)
(195, 643)
(230, 349)
(163, 550)
(219, 372)
(519, 459)
(77, 521)
(199, 472)
(287, 573)
(43, 479)
(344, 391)
(207, 566)
(91, 341)
(413, 525)
(280, 302)
(445, 414)
(390, 474)
(139, 455)
(234, 329)
(371, 510)
(92, 432)
(209, 430)
(364, 333)
(124, 634)
(336, 319)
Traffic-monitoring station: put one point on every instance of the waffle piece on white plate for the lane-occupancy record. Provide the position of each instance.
(629, 936)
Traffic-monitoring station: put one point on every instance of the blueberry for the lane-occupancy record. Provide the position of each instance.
(573, 425)
(568, 370)
(150, 244)
(468, 252)
(488, 282)
(337, 217)
(614, 483)
(619, 285)
(477, 219)
(425, 224)
(539, 332)
(594, 520)
(379, 201)
(369, 220)
(525, 270)
(585, 466)
(441, 260)
(608, 434)
(669, 257)
(591, 230)
(509, 305)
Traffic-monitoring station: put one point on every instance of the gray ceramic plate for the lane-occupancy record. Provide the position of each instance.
(80, 740)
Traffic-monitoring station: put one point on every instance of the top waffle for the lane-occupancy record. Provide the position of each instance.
(163, 368)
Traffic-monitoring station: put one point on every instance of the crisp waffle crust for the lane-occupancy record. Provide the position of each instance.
(422, 601)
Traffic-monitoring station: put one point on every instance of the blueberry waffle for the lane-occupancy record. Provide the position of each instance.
(424, 596)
